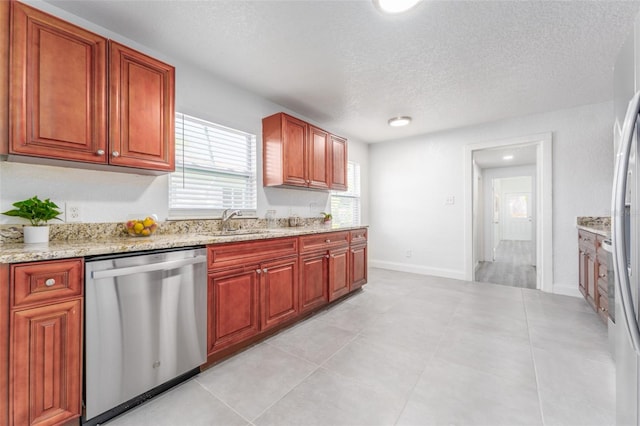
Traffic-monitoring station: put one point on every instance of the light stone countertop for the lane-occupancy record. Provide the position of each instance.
(19, 252)
(600, 225)
(605, 231)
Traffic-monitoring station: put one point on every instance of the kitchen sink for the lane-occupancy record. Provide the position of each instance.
(240, 232)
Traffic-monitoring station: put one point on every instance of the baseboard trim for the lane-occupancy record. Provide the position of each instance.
(417, 269)
(567, 290)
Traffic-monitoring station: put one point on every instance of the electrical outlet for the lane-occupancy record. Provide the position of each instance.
(73, 213)
(451, 200)
(408, 253)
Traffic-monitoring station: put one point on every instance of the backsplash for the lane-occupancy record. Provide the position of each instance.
(12, 233)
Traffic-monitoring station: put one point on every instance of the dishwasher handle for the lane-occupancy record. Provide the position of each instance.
(161, 266)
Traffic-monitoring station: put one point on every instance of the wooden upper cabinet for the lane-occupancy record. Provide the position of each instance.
(296, 153)
(338, 168)
(64, 105)
(318, 158)
(57, 88)
(141, 110)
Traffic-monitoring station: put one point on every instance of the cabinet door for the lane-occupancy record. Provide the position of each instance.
(46, 365)
(294, 141)
(338, 168)
(314, 281)
(58, 88)
(278, 292)
(591, 280)
(232, 307)
(141, 113)
(582, 272)
(319, 161)
(338, 273)
(357, 266)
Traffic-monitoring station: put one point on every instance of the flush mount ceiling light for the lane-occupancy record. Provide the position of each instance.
(508, 157)
(395, 6)
(399, 121)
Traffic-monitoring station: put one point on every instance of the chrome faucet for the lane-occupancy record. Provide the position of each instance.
(226, 216)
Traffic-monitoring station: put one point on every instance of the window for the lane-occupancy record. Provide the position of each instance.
(345, 205)
(215, 170)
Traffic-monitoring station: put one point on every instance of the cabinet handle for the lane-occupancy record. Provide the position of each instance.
(265, 270)
(258, 271)
(50, 282)
(100, 152)
(115, 154)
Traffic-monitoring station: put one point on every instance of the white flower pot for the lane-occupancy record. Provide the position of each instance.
(36, 234)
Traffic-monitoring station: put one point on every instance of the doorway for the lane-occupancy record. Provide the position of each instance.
(532, 213)
(508, 204)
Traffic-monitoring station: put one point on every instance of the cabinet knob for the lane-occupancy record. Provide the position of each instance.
(258, 271)
(327, 241)
(602, 309)
(115, 154)
(50, 282)
(100, 152)
(265, 270)
(326, 255)
(602, 275)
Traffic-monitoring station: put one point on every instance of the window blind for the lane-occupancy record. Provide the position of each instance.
(345, 205)
(215, 169)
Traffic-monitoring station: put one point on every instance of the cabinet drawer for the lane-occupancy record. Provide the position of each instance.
(359, 236)
(603, 304)
(323, 241)
(601, 252)
(41, 282)
(602, 272)
(232, 254)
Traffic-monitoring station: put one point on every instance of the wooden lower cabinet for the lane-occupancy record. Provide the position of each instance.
(592, 274)
(46, 360)
(338, 273)
(357, 266)
(278, 292)
(233, 307)
(314, 279)
(256, 287)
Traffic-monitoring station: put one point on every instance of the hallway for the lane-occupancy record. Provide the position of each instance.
(512, 266)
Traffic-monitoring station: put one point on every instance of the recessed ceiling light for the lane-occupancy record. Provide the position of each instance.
(399, 121)
(508, 157)
(395, 6)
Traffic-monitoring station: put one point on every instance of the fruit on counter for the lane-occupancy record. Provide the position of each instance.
(142, 227)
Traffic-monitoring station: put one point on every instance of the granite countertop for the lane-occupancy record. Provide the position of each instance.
(19, 252)
(597, 225)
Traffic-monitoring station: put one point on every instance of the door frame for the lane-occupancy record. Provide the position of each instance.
(544, 212)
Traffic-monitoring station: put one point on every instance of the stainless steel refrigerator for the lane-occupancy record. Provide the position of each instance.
(625, 214)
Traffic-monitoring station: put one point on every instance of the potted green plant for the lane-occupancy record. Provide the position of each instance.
(38, 212)
(326, 218)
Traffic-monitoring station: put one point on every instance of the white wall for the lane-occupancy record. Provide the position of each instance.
(414, 176)
(111, 196)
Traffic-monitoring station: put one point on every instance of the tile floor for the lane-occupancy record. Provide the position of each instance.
(411, 350)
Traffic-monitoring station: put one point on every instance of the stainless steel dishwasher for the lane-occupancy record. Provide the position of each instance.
(145, 327)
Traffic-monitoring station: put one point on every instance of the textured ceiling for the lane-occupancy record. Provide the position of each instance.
(345, 65)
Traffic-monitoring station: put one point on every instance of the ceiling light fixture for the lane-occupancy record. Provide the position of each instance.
(399, 121)
(395, 6)
(508, 157)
